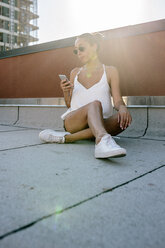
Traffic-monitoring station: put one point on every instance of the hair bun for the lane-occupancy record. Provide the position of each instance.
(98, 36)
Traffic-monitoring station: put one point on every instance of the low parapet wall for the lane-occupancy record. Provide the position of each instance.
(34, 116)
(147, 121)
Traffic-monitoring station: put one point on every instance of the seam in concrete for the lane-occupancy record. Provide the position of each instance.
(17, 116)
(20, 147)
(7, 125)
(141, 137)
(128, 137)
(30, 128)
(153, 139)
(77, 204)
(23, 127)
(16, 130)
(145, 131)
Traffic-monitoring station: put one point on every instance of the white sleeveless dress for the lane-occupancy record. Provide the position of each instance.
(99, 91)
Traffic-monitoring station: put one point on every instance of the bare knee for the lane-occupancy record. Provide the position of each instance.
(78, 120)
(95, 104)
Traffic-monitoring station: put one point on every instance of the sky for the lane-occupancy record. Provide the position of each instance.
(60, 19)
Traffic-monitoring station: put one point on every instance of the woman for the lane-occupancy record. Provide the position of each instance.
(88, 98)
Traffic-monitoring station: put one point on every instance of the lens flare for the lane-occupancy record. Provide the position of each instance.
(59, 221)
(58, 209)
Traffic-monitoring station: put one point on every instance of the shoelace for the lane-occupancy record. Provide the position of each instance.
(57, 139)
(115, 137)
(107, 140)
(113, 142)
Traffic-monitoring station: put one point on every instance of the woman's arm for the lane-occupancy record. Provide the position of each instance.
(124, 117)
(67, 87)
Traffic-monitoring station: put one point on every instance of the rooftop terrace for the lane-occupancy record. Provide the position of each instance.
(59, 195)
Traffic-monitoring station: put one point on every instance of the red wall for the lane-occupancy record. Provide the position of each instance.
(140, 60)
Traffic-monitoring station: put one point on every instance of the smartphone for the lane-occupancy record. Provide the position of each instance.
(63, 77)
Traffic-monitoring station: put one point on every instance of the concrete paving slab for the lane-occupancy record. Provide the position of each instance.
(37, 180)
(132, 215)
(9, 140)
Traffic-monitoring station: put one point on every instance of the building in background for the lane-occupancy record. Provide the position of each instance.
(18, 23)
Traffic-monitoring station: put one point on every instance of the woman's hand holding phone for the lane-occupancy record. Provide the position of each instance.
(65, 84)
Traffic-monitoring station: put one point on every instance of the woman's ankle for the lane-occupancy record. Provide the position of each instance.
(68, 138)
(98, 139)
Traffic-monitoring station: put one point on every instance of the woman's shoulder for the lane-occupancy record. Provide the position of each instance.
(110, 71)
(111, 68)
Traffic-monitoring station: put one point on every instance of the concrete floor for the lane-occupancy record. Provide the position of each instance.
(59, 195)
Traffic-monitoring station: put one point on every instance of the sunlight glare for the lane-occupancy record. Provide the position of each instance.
(91, 16)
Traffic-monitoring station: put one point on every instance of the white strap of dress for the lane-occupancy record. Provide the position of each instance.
(79, 71)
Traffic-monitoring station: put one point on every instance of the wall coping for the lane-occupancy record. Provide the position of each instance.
(63, 106)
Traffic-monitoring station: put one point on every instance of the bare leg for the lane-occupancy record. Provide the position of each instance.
(80, 135)
(95, 120)
(77, 124)
(90, 116)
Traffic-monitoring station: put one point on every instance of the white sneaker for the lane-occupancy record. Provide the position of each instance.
(51, 136)
(107, 148)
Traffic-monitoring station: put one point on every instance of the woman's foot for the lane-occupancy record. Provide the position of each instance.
(51, 136)
(107, 148)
